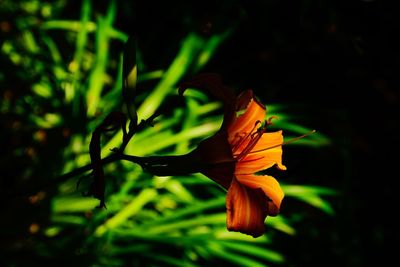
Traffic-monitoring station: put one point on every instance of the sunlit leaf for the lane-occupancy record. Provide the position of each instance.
(237, 259)
(73, 204)
(129, 210)
(309, 190)
(219, 218)
(253, 250)
(96, 78)
(281, 224)
(171, 260)
(192, 209)
(190, 48)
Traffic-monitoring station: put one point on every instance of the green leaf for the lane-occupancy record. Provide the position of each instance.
(225, 235)
(68, 219)
(49, 120)
(151, 145)
(147, 195)
(178, 190)
(129, 78)
(76, 26)
(237, 259)
(73, 204)
(257, 251)
(317, 202)
(280, 223)
(309, 190)
(310, 195)
(209, 49)
(137, 248)
(170, 260)
(97, 76)
(196, 207)
(191, 46)
(219, 218)
(43, 90)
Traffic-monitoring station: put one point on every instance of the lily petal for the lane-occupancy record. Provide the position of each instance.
(217, 154)
(268, 140)
(266, 153)
(247, 209)
(270, 187)
(253, 112)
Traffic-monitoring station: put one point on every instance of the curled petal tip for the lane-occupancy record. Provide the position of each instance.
(281, 167)
(273, 210)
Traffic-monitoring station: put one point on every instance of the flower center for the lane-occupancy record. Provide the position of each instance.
(243, 143)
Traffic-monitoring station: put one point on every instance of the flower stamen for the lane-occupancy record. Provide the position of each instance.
(243, 139)
(253, 142)
(284, 143)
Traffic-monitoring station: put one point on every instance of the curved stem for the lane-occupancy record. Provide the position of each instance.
(168, 165)
(88, 167)
(76, 172)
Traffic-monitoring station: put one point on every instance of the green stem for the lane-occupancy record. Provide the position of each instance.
(168, 165)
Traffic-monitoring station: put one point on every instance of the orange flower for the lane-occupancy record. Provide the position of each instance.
(236, 152)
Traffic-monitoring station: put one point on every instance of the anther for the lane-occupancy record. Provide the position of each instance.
(241, 141)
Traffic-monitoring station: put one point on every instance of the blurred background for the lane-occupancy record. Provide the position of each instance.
(325, 65)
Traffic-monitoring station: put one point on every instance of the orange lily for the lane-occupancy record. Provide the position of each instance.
(236, 152)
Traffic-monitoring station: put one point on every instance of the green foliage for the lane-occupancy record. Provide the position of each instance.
(173, 221)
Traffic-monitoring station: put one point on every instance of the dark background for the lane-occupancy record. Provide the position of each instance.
(334, 65)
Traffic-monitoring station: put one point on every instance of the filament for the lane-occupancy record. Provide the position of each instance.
(241, 140)
(285, 143)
